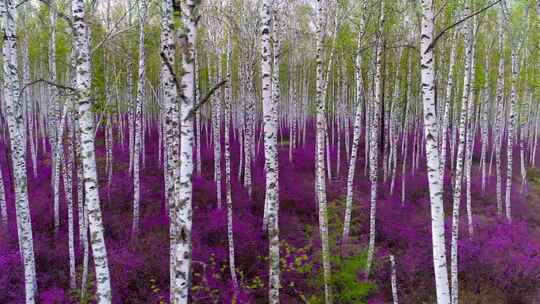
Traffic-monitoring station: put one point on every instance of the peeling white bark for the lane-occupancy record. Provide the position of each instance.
(433, 162)
(86, 121)
(13, 115)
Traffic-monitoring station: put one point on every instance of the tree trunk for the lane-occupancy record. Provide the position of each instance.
(320, 173)
(139, 130)
(433, 165)
(228, 187)
(466, 101)
(86, 120)
(374, 140)
(356, 132)
(14, 119)
(270, 120)
(181, 211)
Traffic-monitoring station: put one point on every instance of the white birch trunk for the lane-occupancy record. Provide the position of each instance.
(27, 96)
(319, 162)
(138, 120)
(67, 172)
(86, 120)
(356, 133)
(228, 187)
(485, 132)
(54, 111)
(510, 132)
(14, 119)
(270, 119)
(216, 132)
(499, 118)
(393, 279)
(447, 104)
(374, 140)
(433, 165)
(405, 133)
(181, 211)
(460, 159)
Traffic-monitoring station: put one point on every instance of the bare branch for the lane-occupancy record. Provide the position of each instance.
(171, 70)
(59, 86)
(108, 37)
(113, 32)
(432, 45)
(206, 98)
(21, 3)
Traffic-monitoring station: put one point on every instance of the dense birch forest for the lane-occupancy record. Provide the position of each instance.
(270, 151)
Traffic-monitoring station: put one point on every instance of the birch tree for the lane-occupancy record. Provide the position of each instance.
(320, 170)
(511, 119)
(433, 165)
(14, 119)
(458, 174)
(357, 128)
(81, 37)
(270, 151)
(499, 115)
(228, 186)
(54, 112)
(181, 211)
(374, 140)
(138, 120)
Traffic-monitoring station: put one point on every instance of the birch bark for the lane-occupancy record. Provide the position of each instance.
(14, 120)
(228, 187)
(374, 140)
(54, 112)
(86, 120)
(433, 161)
(141, 90)
(447, 99)
(270, 151)
(357, 130)
(320, 173)
(181, 211)
(458, 175)
(510, 134)
(499, 116)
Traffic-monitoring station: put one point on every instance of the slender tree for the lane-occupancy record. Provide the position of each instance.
(357, 129)
(433, 165)
(14, 119)
(320, 170)
(460, 158)
(81, 36)
(270, 120)
(138, 120)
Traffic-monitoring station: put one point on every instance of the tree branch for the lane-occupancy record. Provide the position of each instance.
(171, 70)
(108, 37)
(206, 98)
(61, 87)
(179, 87)
(432, 45)
(113, 32)
(21, 3)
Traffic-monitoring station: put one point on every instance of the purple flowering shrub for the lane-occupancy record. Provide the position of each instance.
(499, 264)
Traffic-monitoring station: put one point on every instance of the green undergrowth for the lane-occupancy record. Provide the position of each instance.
(346, 281)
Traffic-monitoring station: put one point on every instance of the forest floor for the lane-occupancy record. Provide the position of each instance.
(499, 264)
